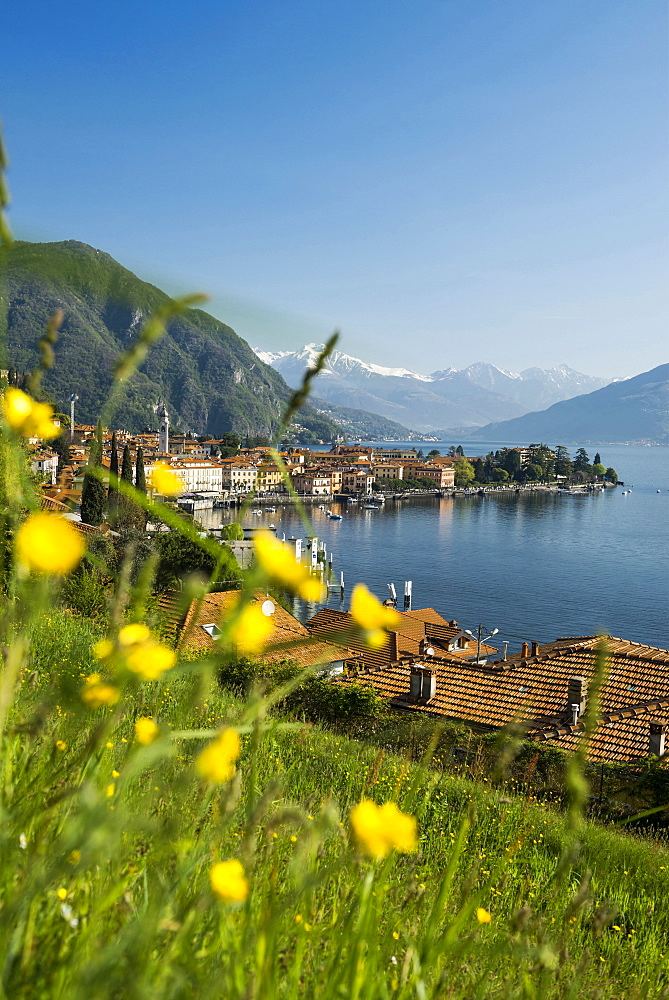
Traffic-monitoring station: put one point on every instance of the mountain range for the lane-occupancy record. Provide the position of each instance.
(634, 410)
(446, 399)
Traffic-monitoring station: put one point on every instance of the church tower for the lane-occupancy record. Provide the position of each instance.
(163, 429)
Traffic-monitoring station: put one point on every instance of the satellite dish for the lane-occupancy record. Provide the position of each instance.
(268, 608)
(429, 651)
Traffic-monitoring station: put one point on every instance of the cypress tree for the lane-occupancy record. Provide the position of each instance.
(112, 493)
(140, 485)
(126, 467)
(126, 508)
(93, 494)
(140, 475)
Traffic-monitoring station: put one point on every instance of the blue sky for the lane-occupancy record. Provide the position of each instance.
(445, 182)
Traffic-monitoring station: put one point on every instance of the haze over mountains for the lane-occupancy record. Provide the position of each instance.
(636, 409)
(447, 399)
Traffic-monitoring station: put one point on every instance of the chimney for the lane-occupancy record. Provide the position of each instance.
(577, 696)
(535, 649)
(524, 649)
(416, 682)
(430, 684)
(506, 646)
(657, 737)
(425, 647)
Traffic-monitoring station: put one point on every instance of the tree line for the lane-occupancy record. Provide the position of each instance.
(547, 465)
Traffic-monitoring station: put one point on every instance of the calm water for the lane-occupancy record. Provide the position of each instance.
(531, 565)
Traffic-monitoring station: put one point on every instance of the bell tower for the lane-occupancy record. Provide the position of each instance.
(163, 429)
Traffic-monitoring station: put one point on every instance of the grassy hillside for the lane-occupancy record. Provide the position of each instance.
(210, 378)
(107, 847)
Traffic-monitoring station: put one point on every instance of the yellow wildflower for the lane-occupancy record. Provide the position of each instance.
(131, 635)
(139, 652)
(281, 566)
(111, 788)
(146, 731)
(379, 829)
(229, 882)
(371, 616)
(61, 745)
(165, 481)
(483, 916)
(62, 893)
(47, 543)
(97, 692)
(216, 763)
(27, 417)
(251, 629)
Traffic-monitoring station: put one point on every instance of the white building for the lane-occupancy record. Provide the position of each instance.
(45, 463)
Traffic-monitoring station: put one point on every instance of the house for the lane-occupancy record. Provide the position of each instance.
(356, 482)
(290, 640)
(45, 463)
(420, 633)
(313, 483)
(545, 690)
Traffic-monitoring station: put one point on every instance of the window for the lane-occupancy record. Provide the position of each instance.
(212, 630)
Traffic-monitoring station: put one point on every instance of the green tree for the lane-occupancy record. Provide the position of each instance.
(597, 460)
(599, 469)
(93, 493)
(127, 510)
(533, 473)
(500, 475)
(140, 485)
(433, 453)
(563, 465)
(611, 475)
(179, 558)
(479, 470)
(464, 472)
(140, 473)
(61, 446)
(581, 461)
(112, 493)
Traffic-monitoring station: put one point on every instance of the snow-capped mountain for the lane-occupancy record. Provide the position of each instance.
(470, 397)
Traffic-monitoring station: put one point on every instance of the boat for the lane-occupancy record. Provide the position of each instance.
(371, 506)
(380, 498)
(256, 512)
(271, 510)
(334, 517)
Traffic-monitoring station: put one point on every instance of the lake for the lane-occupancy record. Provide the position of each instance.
(535, 566)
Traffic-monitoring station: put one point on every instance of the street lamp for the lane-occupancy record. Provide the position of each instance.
(480, 630)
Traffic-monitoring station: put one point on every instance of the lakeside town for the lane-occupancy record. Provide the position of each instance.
(222, 471)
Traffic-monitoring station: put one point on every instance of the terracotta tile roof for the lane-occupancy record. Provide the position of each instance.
(534, 691)
(339, 626)
(289, 641)
(49, 503)
(620, 736)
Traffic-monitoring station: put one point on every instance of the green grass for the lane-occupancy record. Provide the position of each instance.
(577, 912)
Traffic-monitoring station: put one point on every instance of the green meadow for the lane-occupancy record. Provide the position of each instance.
(107, 847)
